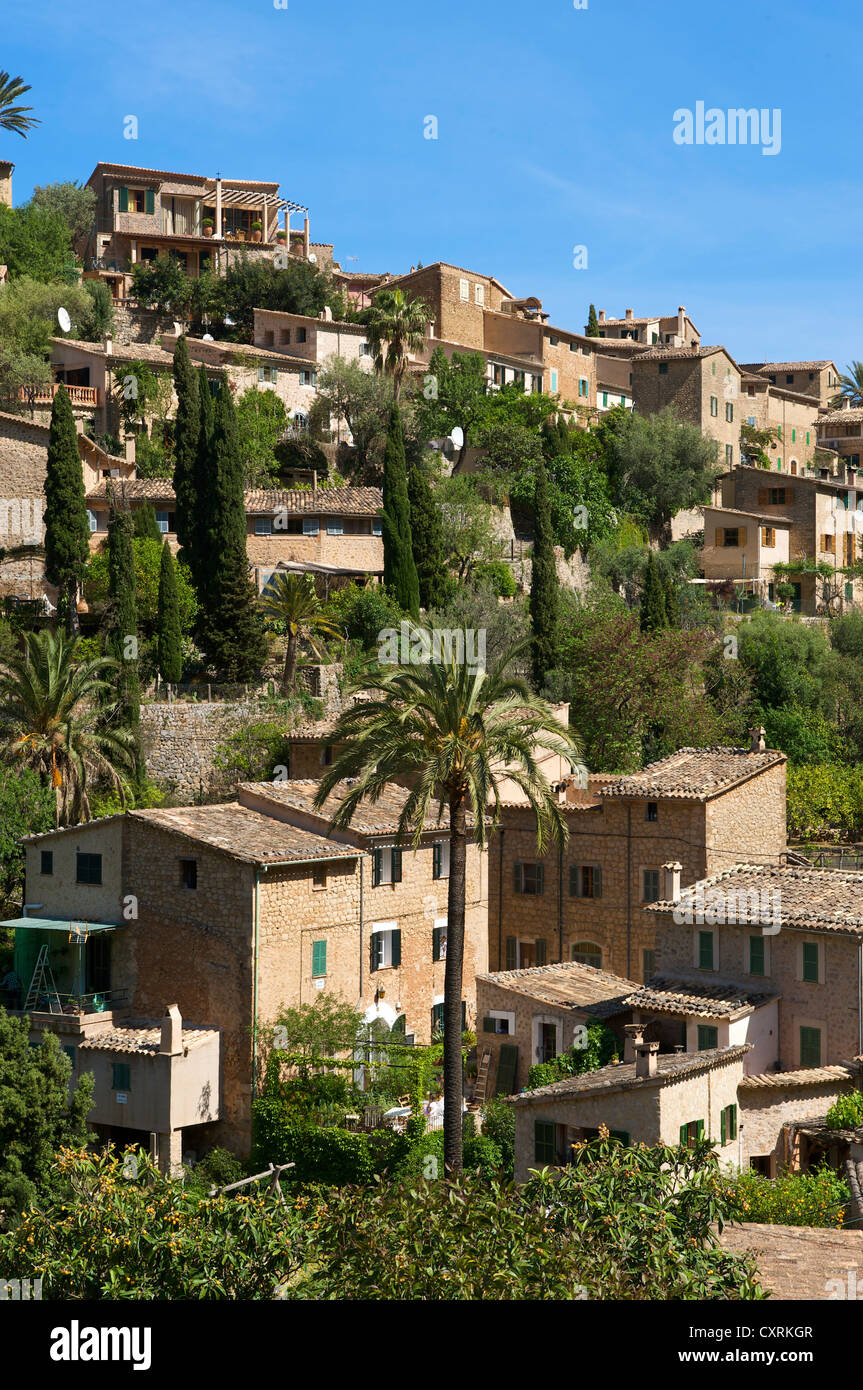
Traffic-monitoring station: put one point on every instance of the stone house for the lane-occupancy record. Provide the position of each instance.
(773, 927)
(814, 517)
(841, 432)
(698, 807)
(774, 1106)
(236, 910)
(820, 379)
(703, 386)
(332, 533)
(204, 223)
(791, 414)
(672, 330)
(649, 1099)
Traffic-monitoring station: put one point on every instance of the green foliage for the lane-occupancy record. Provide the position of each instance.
(67, 529)
(481, 1155)
(805, 734)
(123, 615)
(363, 400)
(219, 1168)
(187, 423)
(261, 418)
(145, 525)
(162, 284)
(400, 572)
(602, 1045)
(788, 659)
(73, 202)
(657, 465)
(168, 629)
(506, 625)
(330, 1155)
(253, 751)
(498, 576)
(459, 397)
(816, 1198)
(427, 539)
(592, 329)
(653, 616)
(363, 613)
(470, 536)
(26, 808)
(37, 1114)
(298, 288)
(35, 243)
(148, 568)
(543, 586)
(846, 1112)
(498, 1123)
(824, 801)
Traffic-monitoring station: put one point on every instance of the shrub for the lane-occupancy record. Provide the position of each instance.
(498, 577)
(219, 1168)
(602, 1045)
(498, 1123)
(816, 1198)
(364, 614)
(846, 1112)
(825, 801)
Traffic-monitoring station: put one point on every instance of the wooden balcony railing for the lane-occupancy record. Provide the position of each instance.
(44, 395)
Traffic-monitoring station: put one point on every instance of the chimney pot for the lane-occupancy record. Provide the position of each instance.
(601, 316)
(172, 1032)
(757, 742)
(678, 1047)
(108, 343)
(633, 1033)
(672, 872)
(628, 314)
(645, 1058)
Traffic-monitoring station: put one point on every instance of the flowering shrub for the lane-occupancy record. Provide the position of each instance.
(816, 1198)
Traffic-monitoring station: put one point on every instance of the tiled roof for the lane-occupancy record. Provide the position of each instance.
(570, 983)
(244, 834)
(767, 367)
(662, 354)
(668, 995)
(693, 774)
(755, 516)
(806, 1076)
(371, 818)
(121, 352)
(321, 501)
(149, 489)
(841, 417)
(191, 178)
(811, 899)
(316, 321)
(670, 1067)
(145, 1039)
(650, 318)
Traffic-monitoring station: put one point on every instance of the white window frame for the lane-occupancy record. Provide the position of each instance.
(502, 1016)
(535, 1024)
(263, 525)
(311, 526)
(441, 924)
(444, 859)
(479, 295)
(167, 526)
(464, 291)
(335, 526)
(92, 520)
(377, 526)
(386, 930)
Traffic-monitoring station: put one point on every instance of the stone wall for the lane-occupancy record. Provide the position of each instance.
(765, 1109)
(135, 325)
(180, 740)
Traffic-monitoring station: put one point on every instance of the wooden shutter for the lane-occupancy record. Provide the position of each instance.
(699, 1131)
(597, 881)
(722, 1115)
(377, 856)
(319, 958)
(763, 494)
(488, 1025)
(511, 952)
(123, 199)
(464, 1015)
(732, 1121)
(541, 951)
(574, 881)
(741, 535)
(683, 1139)
(540, 878)
(436, 936)
(149, 201)
(396, 862)
(373, 951)
(507, 1064)
(720, 536)
(436, 859)
(396, 943)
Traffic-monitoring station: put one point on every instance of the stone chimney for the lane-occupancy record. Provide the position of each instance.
(681, 322)
(633, 1034)
(601, 316)
(130, 444)
(108, 343)
(671, 887)
(628, 315)
(172, 1032)
(307, 246)
(645, 1058)
(850, 473)
(756, 739)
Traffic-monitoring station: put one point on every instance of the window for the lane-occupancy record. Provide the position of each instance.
(652, 812)
(440, 859)
(554, 381)
(308, 378)
(663, 369)
(88, 868)
(728, 1124)
(807, 436)
(692, 1134)
(778, 431)
(828, 545)
(311, 525)
(729, 454)
(163, 522)
(268, 374)
(553, 341)
(650, 885)
(302, 335)
(528, 878)
(574, 347)
(327, 755)
(364, 350)
(809, 962)
(386, 866)
(121, 1076)
(605, 398)
(263, 525)
(757, 960)
(511, 953)
(70, 1053)
(437, 1018)
(335, 526)
(498, 1022)
(544, 1150)
(585, 881)
(47, 862)
(810, 1047)
(729, 411)
(479, 294)
(588, 953)
(714, 405)
(284, 335)
(793, 436)
(582, 386)
(386, 948)
(731, 536)
(91, 520)
(463, 291)
(648, 965)
(439, 939)
(377, 526)
(768, 536)
(319, 959)
(789, 378)
(319, 881)
(708, 1037)
(188, 873)
(540, 951)
(705, 950)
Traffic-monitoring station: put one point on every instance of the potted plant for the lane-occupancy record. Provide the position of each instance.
(207, 225)
(257, 227)
(281, 236)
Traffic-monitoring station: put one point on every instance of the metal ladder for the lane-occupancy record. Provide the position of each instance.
(43, 983)
(482, 1074)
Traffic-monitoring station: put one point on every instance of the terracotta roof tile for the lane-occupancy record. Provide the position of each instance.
(669, 995)
(245, 834)
(815, 900)
(569, 983)
(767, 367)
(670, 1067)
(805, 1076)
(144, 1038)
(372, 818)
(693, 774)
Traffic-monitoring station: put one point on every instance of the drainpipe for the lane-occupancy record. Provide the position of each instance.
(629, 892)
(560, 904)
(255, 984)
(860, 1000)
(500, 960)
(362, 946)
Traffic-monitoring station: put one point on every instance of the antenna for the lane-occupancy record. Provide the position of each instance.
(63, 319)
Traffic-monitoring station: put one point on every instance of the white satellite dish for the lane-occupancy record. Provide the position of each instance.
(208, 338)
(64, 320)
(228, 321)
(457, 437)
(313, 258)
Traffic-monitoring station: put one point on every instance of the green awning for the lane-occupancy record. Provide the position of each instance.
(64, 924)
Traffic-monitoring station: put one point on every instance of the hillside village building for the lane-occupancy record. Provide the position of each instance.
(672, 330)
(820, 380)
(234, 911)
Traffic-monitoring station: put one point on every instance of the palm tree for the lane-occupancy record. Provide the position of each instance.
(399, 324)
(291, 600)
(54, 719)
(452, 730)
(850, 387)
(15, 117)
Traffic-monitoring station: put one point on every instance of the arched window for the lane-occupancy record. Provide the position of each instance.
(587, 953)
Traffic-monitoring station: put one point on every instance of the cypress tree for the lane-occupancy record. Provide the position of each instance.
(653, 616)
(543, 584)
(427, 541)
(672, 602)
(168, 638)
(123, 630)
(400, 571)
(187, 425)
(198, 541)
(67, 528)
(146, 527)
(232, 630)
(592, 323)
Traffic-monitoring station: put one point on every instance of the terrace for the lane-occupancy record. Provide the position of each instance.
(63, 967)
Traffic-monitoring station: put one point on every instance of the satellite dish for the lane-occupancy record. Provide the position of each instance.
(64, 320)
(313, 258)
(228, 321)
(208, 338)
(457, 437)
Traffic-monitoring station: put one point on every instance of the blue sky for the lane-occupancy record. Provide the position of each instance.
(554, 130)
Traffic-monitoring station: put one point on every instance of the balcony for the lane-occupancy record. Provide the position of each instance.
(44, 395)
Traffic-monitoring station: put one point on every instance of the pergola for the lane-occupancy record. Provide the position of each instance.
(269, 203)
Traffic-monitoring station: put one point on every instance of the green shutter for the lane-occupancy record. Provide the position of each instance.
(373, 960)
(810, 962)
(396, 942)
(149, 201)
(518, 878)
(436, 938)
(597, 881)
(543, 1141)
(377, 856)
(573, 881)
(722, 1127)
(705, 950)
(756, 955)
(396, 862)
(541, 952)
(121, 1076)
(436, 859)
(319, 958)
(464, 1015)
(511, 953)
(123, 199)
(488, 1025)
(708, 1037)
(540, 878)
(507, 1064)
(683, 1134)
(810, 1047)
(732, 1121)
(437, 1018)
(699, 1131)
